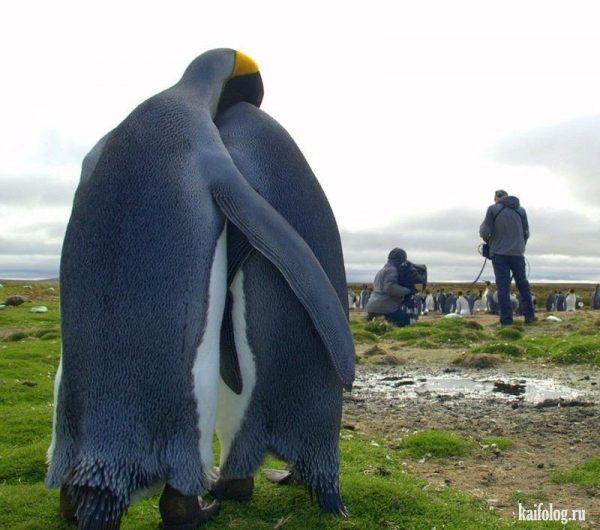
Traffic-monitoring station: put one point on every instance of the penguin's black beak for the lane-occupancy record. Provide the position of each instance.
(248, 87)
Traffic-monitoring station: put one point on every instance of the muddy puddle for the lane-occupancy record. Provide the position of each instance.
(395, 384)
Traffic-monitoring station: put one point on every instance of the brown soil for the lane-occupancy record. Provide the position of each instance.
(544, 439)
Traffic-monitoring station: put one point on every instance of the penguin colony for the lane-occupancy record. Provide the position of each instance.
(202, 290)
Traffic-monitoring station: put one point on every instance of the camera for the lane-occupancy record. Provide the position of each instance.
(410, 274)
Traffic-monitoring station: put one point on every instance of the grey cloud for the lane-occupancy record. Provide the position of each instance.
(563, 247)
(571, 149)
(29, 267)
(31, 251)
(56, 149)
(30, 190)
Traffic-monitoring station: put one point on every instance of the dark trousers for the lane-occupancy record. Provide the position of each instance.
(503, 267)
(398, 317)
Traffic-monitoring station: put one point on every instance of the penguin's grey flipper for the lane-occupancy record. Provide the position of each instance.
(239, 250)
(278, 241)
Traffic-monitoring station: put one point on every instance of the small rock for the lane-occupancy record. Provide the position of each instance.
(39, 309)
(29, 383)
(383, 472)
(540, 466)
(403, 383)
(16, 300)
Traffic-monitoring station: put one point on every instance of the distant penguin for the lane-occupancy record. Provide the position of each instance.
(292, 381)
(595, 302)
(143, 288)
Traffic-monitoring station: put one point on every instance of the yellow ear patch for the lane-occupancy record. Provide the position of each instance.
(244, 65)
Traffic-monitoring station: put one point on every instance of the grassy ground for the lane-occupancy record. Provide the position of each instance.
(376, 489)
(573, 341)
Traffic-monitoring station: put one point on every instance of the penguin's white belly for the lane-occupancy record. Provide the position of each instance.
(205, 371)
(232, 407)
(57, 380)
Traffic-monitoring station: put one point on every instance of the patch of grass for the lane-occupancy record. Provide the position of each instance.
(14, 337)
(582, 350)
(528, 499)
(501, 442)
(362, 336)
(586, 474)
(437, 444)
(379, 327)
(512, 350)
(509, 333)
(416, 331)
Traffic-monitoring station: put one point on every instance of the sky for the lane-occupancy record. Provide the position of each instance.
(411, 115)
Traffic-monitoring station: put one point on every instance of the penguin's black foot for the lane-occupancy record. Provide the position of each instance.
(237, 489)
(66, 506)
(184, 512)
(284, 477)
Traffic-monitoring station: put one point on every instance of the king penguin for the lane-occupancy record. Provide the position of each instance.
(281, 390)
(143, 287)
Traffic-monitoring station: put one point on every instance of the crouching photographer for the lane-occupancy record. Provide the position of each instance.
(394, 288)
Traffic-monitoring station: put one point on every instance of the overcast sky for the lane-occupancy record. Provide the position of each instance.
(411, 114)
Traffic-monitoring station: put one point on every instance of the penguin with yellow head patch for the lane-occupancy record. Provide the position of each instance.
(143, 292)
(282, 381)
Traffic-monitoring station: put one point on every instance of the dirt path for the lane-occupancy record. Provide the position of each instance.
(393, 401)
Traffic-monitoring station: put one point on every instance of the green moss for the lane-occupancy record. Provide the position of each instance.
(509, 333)
(438, 444)
(512, 350)
(586, 474)
(581, 350)
(411, 332)
(500, 442)
(363, 336)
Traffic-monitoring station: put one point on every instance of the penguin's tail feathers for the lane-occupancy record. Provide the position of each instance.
(330, 501)
(97, 509)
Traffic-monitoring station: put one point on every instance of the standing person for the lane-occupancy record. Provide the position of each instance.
(388, 295)
(506, 230)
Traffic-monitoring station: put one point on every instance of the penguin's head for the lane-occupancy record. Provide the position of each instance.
(224, 77)
(244, 83)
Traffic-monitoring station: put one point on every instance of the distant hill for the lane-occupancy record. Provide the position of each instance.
(12, 281)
